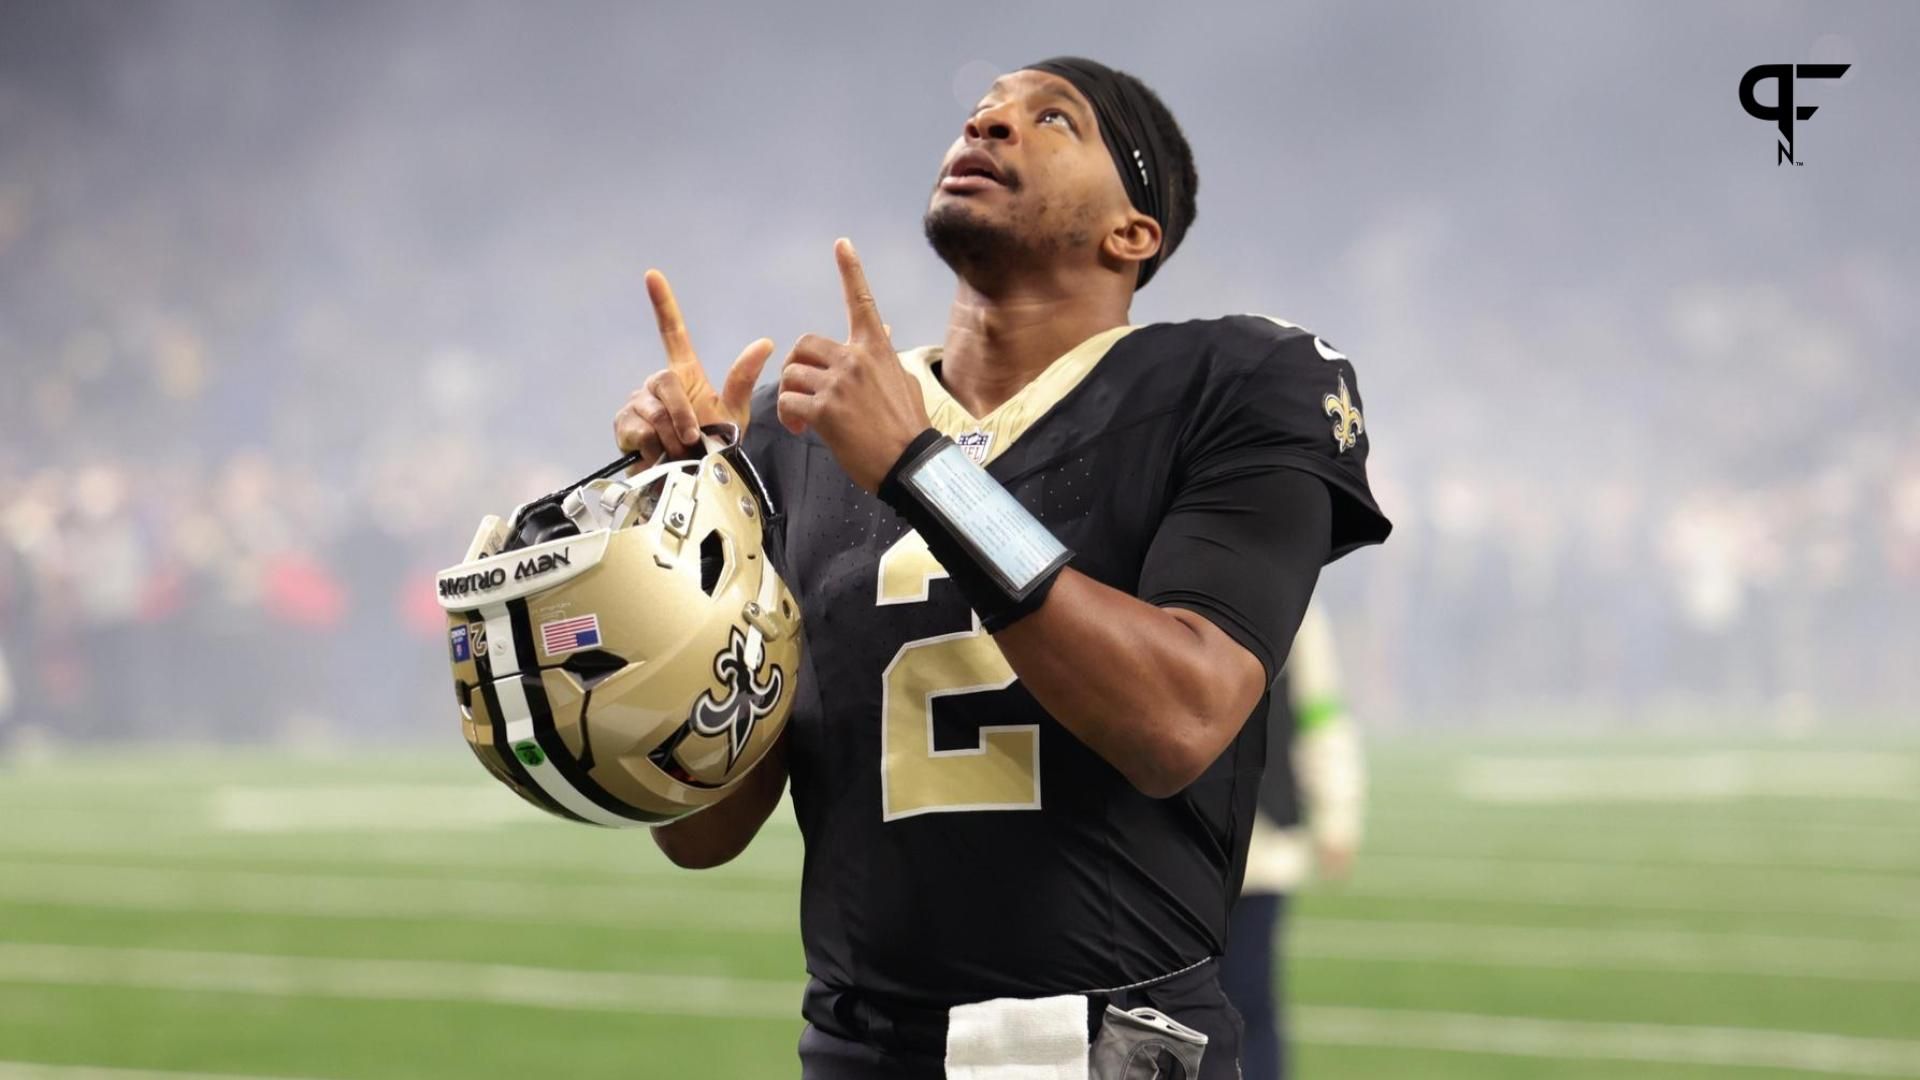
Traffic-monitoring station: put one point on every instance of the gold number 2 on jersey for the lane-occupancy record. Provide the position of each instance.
(1002, 770)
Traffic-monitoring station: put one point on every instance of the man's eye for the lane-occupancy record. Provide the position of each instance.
(1058, 113)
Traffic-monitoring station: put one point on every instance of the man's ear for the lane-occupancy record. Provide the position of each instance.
(1134, 240)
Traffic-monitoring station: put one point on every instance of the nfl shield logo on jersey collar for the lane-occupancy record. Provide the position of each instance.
(975, 443)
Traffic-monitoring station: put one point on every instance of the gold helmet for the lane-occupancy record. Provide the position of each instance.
(623, 652)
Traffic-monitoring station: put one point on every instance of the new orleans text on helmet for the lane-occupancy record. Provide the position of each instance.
(496, 577)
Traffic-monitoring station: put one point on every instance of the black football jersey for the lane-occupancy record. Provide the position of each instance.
(960, 843)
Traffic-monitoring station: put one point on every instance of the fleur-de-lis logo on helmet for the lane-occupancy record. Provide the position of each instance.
(1347, 422)
(748, 698)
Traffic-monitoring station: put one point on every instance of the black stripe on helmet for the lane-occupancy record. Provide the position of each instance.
(548, 736)
(517, 776)
(509, 767)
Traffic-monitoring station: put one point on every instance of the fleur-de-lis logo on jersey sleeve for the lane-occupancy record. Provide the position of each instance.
(1347, 422)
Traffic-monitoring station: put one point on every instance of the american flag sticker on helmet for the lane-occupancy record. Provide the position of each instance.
(568, 635)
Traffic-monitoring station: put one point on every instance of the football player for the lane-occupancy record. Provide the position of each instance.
(1049, 569)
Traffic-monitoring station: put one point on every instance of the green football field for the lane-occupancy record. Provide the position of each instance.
(1557, 910)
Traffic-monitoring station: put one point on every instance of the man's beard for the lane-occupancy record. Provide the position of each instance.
(983, 251)
(972, 246)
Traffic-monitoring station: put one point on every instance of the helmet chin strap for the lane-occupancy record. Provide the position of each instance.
(718, 438)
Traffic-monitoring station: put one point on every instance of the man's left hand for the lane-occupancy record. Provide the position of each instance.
(855, 393)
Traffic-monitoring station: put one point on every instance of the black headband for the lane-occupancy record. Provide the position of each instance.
(1126, 125)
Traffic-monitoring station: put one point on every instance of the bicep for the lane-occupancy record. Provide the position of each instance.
(1233, 670)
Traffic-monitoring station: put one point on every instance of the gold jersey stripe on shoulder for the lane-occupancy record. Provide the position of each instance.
(987, 437)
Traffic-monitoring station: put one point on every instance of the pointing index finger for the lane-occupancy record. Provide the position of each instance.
(673, 328)
(863, 314)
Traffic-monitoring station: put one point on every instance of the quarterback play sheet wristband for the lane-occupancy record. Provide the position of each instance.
(1000, 555)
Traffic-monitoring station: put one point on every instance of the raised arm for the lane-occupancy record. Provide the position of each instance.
(662, 420)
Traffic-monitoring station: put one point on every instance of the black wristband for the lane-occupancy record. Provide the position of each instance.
(1001, 557)
(923, 444)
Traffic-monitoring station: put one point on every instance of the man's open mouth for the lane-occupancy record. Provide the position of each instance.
(972, 171)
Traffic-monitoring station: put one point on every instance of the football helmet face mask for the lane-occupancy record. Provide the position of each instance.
(623, 651)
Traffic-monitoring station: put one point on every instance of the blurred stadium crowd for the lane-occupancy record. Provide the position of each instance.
(274, 582)
(258, 384)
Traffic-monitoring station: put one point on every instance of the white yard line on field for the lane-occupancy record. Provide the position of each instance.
(1558, 896)
(366, 808)
(1679, 840)
(1445, 816)
(1663, 887)
(1569, 948)
(707, 996)
(1716, 776)
(381, 808)
(28, 1070)
(1754, 1048)
(630, 905)
(386, 809)
(771, 905)
(757, 869)
(400, 980)
(1636, 849)
(775, 860)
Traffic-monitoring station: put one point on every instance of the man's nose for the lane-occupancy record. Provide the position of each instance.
(994, 123)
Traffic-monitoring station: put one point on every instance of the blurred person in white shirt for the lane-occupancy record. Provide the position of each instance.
(1312, 801)
(6, 701)
(8, 618)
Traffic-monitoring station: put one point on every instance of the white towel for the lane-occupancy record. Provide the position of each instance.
(1018, 1039)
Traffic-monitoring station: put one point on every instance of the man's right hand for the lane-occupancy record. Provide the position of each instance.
(662, 419)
